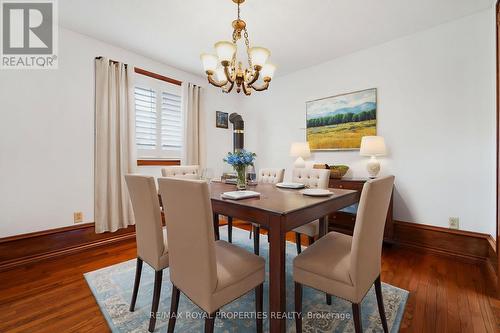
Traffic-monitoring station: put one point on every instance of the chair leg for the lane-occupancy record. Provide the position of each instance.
(156, 300)
(256, 240)
(356, 314)
(311, 240)
(230, 229)
(298, 307)
(138, 271)
(216, 226)
(297, 242)
(380, 302)
(210, 322)
(328, 299)
(174, 306)
(259, 304)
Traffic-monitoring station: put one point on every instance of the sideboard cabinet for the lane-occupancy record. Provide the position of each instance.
(343, 220)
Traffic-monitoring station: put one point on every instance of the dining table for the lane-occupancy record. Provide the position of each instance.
(278, 210)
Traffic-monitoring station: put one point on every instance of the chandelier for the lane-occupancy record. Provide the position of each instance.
(225, 71)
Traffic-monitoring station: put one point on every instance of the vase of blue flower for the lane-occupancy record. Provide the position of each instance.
(240, 160)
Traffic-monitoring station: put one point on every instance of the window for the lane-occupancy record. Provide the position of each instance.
(158, 118)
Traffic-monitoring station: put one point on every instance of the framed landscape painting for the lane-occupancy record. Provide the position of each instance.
(339, 122)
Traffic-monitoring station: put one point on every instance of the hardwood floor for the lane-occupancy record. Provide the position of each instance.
(52, 296)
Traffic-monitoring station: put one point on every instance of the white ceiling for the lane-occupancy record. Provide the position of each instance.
(299, 33)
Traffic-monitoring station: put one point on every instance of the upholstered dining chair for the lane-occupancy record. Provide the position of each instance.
(265, 176)
(210, 273)
(150, 236)
(193, 172)
(311, 178)
(347, 266)
(270, 175)
(181, 171)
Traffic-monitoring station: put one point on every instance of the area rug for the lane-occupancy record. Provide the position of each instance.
(112, 288)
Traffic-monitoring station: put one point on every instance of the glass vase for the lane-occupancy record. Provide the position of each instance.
(241, 183)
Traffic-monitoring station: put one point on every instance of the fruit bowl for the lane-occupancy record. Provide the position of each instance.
(338, 171)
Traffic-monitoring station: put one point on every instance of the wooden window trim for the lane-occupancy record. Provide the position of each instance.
(157, 76)
(157, 162)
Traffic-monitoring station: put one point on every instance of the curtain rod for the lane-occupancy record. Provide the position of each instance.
(148, 73)
(110, 60)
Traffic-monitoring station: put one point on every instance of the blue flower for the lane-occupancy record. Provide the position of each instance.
(241, 158)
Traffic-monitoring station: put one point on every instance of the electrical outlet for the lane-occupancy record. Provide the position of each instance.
(78, 217)
(454, 222)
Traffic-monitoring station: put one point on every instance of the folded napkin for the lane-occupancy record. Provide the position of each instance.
(238, 195)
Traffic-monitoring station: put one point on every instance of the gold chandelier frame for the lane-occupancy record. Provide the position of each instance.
(226, 72)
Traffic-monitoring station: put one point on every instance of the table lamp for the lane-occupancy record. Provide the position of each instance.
(372, 146)
(300, 150)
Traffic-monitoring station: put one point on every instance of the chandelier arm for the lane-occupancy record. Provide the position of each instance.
(228, 75)
(215, 82)
(264, 86)
(246, 89)
(255, 77)
(229, 89)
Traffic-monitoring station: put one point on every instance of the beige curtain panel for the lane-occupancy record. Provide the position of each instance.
(114, 145)
(193, 131)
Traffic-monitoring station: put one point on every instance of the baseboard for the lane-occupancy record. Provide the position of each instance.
(464, 245)
(492, 254)
(29, 248)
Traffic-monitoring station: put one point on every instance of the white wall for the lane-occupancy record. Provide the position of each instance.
(436, 110)
(436, 93)
(47, 135)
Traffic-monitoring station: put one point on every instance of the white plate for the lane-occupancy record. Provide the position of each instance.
(290, 185)
(316, 192)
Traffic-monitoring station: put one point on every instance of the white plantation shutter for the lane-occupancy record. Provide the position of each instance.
(145, 118)
(159, 119)
(171, 122)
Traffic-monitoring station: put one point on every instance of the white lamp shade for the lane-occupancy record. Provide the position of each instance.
(220, 75)
(300, 149)
(225, 50)
(209, 62)
(259, 55)
(372, 146)
(268, 70)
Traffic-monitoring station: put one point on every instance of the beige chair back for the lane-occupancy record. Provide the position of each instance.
(271, 176)
(191, 244)
(368, 233)
(312, 178)
(181, 171)
(148, 224)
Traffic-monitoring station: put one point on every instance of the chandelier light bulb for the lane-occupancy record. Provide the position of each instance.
(209, 62)
(268, 70)
(259, 55)
(220, 75)
(225, 50)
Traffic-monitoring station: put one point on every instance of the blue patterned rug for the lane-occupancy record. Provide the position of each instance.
(112, 288)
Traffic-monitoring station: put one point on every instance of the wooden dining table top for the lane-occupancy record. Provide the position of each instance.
(279, 211)
(274, 199)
